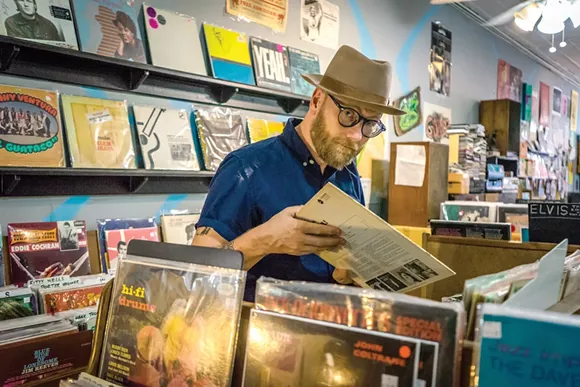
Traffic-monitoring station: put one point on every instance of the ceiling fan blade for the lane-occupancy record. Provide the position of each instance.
(507, 16)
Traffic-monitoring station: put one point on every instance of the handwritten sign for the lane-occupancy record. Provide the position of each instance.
(272, 13)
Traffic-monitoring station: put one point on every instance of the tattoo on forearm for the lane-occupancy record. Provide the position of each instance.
(229, 246)
(203, 231)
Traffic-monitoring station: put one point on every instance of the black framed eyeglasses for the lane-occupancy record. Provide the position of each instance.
(348, 117)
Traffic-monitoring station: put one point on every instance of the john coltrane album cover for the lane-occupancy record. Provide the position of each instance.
(289, 351)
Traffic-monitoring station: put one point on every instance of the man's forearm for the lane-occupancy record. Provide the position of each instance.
(253, 244)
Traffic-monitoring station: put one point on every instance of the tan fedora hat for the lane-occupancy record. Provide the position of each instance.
(355, 78)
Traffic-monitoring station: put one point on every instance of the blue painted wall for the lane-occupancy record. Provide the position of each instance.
(393, 30)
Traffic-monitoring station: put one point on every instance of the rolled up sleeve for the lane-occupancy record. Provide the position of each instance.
(229, 207)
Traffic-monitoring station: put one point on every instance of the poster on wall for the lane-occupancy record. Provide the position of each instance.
(270, 13)
(440, 62)
(320, 22)
(573, 110)
(544, 104)
(527, 93)
(410, 103)
(557, 101)
(436, 122)
(509, 81)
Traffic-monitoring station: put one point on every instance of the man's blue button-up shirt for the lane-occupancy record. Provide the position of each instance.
(258, 181)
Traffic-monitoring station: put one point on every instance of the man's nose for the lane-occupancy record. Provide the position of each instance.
(355, 133)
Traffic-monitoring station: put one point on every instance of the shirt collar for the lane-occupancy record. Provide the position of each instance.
(292, 139)
(21, 20)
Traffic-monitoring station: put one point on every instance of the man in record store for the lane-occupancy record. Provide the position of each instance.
(257, 191)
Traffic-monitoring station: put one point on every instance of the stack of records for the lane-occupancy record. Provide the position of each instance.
(78, 294)
(472, 150)
(166, 139)
(527, 348)
(98, 132)
(37, 348)
(115, 234)
(47, 249)
(86, 380)
(179, 228)
(17, 302)
(395, 327)
(30, 131)
(221, 131)
(175, 323)
(85, 319)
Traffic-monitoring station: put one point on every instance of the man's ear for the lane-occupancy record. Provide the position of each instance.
(317, 100)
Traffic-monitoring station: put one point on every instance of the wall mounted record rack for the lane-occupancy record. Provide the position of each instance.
(34, 60)
(21, 181)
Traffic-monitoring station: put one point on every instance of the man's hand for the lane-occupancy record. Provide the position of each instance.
(288, 235)
(342, 276)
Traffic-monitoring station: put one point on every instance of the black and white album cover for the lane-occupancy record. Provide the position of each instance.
(43, 21)
(271, 64)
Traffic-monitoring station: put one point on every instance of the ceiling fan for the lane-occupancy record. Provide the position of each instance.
(551, 14)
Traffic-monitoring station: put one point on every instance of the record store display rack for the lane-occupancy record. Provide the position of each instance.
(55, 144)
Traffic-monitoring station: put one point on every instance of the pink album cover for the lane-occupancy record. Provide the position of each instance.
(117, 241)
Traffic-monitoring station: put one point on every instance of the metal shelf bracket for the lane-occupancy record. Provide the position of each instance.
(136, 183)
(221, 93)
(7, 56)
(289, 104)
(9, 183)
(137, 77)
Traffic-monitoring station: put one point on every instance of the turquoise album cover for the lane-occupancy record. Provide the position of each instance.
(528, 348)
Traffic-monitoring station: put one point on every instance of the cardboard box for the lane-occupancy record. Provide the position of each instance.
(458, 183)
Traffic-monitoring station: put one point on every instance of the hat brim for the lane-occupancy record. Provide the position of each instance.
(314, 79)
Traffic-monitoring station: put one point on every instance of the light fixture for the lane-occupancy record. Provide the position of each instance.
(553, 48)
(527, 18)
(553, 17)
(563, 42)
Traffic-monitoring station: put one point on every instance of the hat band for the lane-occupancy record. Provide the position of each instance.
(348, 91)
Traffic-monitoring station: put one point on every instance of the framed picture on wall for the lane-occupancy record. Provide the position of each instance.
(557, 101)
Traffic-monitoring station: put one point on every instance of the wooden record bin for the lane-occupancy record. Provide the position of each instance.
(415, 206)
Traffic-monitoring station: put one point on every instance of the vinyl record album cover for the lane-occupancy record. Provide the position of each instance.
(221, 131)
(17, 303)
(109, 28)
(98, 132)
(302, 62)
(166, 138)
(527, 348)
(229, 54)
(271, 64)
(164, 26)
(286, 350)
(259, 130)
(42, 21)
(481, 212)
(171, 324)
(78, 297)
(104, 225)
(47, 249)
(2, 268)
(179, 229)
(30, 132)
(117, 241)
(439, 326)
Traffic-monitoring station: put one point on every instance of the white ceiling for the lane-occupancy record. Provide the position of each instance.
(565, 60)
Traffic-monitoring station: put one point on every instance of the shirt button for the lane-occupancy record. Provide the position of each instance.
(305, 163)
(311, 161)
